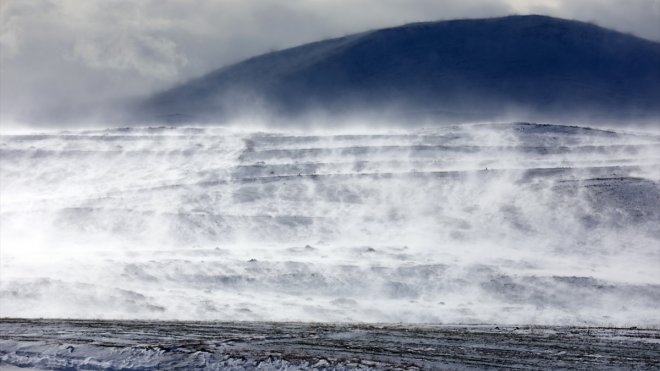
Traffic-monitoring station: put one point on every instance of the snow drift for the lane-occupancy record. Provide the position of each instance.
(501, 223)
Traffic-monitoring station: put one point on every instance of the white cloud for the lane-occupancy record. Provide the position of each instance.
(147, 54)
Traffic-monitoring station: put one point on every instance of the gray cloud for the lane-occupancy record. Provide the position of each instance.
(64, 55)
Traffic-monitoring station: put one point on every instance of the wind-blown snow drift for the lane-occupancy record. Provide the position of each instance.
(511, 223)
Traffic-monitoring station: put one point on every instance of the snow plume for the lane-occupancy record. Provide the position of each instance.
(500, 223)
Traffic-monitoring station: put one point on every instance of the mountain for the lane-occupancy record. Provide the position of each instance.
(529, 66)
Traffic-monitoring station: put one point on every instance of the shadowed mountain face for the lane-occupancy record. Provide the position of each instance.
(530, 66)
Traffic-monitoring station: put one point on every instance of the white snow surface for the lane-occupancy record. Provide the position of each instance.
(499, 223)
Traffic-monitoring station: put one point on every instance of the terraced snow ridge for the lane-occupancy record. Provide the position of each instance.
(500, 223)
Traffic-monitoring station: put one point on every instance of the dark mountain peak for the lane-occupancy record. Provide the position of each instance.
(535, 66)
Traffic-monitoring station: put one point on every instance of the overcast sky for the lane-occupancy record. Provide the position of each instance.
(74, 53)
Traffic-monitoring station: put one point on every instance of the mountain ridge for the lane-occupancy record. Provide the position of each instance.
(474, 67)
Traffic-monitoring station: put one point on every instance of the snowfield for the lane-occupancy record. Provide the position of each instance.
(483, 224)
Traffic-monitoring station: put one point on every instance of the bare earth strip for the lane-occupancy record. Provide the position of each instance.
(143, 345)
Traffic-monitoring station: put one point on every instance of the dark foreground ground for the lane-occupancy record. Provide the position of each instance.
(133, 345)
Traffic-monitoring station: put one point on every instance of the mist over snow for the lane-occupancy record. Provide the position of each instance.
(500, 223)
(353, 161)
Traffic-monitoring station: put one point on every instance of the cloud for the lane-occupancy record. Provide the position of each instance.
(58, 55)
(148, 55)
(639, 17)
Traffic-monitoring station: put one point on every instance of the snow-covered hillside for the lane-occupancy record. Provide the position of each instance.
(501, 223)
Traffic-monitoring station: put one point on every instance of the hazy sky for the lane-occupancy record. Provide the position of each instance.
(71, 54)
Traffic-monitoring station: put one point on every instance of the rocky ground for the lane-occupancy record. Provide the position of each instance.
(146, 345)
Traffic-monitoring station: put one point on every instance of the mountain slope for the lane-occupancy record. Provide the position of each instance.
(465, 68)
